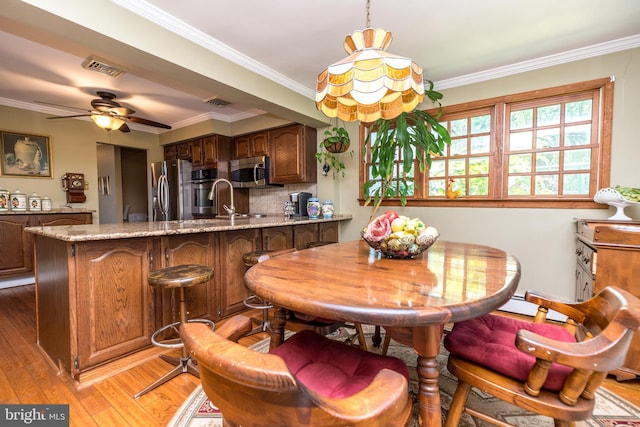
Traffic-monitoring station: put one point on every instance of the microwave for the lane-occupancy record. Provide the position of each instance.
(251, 172)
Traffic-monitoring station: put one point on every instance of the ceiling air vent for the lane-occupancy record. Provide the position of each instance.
(217, 102)
(100, 66)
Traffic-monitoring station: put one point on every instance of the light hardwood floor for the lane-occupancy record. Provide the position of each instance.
(27, 377)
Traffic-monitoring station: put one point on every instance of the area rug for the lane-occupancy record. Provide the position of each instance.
(610, 411)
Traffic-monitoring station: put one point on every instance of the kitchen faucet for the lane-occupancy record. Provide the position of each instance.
(231, 210)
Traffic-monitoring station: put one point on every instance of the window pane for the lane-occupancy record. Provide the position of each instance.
(546, 162)
(480, 144)
(549, 115)
(577, 135)
(521, 119)
(546, 185)
(520, 141)
(577, 160)
(478, 165)
(458, 127)
(481, 124)
(457, 167)
(479, 186)
(576, 184)
(519, 163)
(458, 147)
(437, 168)
(436, 187)
(460, 185)
(578, 111)
(519, 186)
(548, 138)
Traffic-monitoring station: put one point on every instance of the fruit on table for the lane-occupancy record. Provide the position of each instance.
(629, 193)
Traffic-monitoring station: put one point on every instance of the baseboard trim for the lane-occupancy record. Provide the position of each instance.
(17, 281)
(518, 305)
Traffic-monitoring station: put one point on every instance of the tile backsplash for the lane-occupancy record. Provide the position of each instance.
(270, 200)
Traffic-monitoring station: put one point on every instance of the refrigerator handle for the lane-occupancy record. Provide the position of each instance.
(163, 195)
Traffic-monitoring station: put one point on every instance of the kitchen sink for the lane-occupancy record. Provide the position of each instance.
(250, 215)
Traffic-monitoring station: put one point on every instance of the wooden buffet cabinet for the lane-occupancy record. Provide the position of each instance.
(608, 254)
(16, 259)
(94, 305)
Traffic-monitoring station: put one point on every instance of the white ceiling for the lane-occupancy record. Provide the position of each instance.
(283, 44)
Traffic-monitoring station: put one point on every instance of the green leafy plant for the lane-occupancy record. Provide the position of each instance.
(335, 142)
(416, 135)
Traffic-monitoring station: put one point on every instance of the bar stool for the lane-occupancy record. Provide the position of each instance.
(254, 301)
(180, 277)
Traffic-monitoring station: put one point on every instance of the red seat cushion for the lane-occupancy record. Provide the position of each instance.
(331, 368)
(490, 341)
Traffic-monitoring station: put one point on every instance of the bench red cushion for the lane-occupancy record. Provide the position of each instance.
(490, 341)
(332, 368)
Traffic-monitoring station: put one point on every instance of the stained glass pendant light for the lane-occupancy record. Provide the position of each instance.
(370, 83)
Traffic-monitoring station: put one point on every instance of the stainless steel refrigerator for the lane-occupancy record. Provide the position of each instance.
(171, 190)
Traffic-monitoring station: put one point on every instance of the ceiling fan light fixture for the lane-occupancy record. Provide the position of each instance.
(370, 83)
(107, 121)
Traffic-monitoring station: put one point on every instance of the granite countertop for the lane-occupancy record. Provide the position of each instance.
(52, 211)
(88, 232)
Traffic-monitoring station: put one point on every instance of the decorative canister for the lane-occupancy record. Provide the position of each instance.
(327, 209)
(4, 200)
(46, 203)
(35, 202)
(313, 208)
(18, 201)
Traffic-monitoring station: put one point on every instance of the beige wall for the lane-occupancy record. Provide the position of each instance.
(73, 146)
(542, 239)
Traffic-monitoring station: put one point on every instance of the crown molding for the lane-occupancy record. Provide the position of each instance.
(542, 62)
(181, 28)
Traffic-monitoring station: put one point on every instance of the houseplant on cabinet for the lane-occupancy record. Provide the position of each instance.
(336, 141)
(411, 136)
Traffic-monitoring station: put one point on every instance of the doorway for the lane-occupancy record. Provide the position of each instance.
(122, 179)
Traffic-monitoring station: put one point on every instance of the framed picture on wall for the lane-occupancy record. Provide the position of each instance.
(25, 155)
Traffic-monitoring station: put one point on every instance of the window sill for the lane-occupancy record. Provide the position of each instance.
(478, 203)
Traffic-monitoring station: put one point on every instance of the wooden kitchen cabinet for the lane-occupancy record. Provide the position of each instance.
(97, 306)
(201, 299)
(608, 254)
(231, 268)
(250, 145)
(209, 150)
(328, 232)
(277, 238)
(16, 259)
(292, 150)
(303, 234)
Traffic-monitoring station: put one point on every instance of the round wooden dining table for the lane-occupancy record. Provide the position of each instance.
(411, 298)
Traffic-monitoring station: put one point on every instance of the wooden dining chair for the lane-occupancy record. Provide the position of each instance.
(323, 326)
(545, 368)
(309, 380)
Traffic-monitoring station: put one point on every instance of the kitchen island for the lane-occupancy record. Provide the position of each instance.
(94, 307)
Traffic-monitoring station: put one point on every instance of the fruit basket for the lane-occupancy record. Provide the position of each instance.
(405, 246)
(619, 198)
(406, 240)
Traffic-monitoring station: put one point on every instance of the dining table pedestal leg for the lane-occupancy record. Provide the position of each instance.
(277, 327)
(425, 340)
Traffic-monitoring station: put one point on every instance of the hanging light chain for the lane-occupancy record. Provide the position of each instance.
(368, 14)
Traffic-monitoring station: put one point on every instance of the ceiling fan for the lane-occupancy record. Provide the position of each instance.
(110, 115)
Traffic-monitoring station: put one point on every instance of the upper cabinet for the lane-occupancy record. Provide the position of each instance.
(292, 151)
(209, 150)
(204, 151)
(255, 144)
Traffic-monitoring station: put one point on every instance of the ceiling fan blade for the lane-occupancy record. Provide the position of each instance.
(124, 128)
(60, 105)
(147, 122)
(69, 117)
